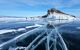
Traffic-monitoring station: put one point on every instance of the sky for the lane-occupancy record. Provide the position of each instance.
(28, 8)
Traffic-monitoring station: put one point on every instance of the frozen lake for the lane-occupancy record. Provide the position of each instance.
(11, 28)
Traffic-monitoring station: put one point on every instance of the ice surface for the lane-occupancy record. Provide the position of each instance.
(52, 19)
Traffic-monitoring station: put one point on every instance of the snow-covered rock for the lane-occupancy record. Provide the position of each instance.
(56, 16)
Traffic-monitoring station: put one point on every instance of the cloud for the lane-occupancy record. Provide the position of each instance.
(54, 3)
(72, 3)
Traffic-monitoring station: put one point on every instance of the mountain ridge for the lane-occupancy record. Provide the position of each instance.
(53, 10)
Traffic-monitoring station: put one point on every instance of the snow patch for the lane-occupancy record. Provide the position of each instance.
(77, 27)
(36, 25)
(12, 19)
(21, 29)
(5, 31)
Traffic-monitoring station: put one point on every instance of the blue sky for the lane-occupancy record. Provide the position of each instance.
(37, 7)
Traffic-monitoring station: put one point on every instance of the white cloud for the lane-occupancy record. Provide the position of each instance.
(54, 3)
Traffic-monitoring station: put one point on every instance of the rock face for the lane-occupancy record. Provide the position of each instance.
(53, 11)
